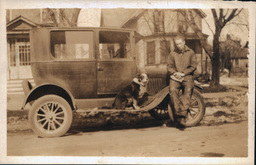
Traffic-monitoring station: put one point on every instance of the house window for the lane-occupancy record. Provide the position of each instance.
(19, 52)
(158, 16)
(195, 45)
(164, 51)
(151, 54)
(114, 44)
(72, 44)
(24, 54)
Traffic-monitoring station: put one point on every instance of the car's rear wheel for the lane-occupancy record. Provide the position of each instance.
(50, 116)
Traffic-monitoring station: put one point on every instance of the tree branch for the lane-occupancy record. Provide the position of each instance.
(231, 16)
(239, 12)
(53, 16)
(242, 24)
(215, 16)
(221, 16)
(65, 17)
(226, 13)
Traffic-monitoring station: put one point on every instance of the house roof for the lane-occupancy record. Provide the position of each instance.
(242, 53)
(116, 17)
(21, 19)
(20, 25)
(135, 16)
(234, 48)
(200, 12)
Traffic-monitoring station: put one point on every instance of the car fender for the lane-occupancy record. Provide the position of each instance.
(156, 99)
(46, 89)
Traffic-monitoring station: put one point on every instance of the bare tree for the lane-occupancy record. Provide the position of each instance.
(63, 17)
(220, 21)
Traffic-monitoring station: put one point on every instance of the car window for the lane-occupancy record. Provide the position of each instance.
(72, 44)
(114, 44)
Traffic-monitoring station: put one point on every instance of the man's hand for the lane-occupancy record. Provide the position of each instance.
(179, 75)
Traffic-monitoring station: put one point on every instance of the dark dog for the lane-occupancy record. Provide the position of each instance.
(130, 94)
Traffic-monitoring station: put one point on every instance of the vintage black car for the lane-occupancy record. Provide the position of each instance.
(82, 68)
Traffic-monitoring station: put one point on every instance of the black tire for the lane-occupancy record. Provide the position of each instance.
(50, 116)
(196, 112)
(160, 112)
(197, 109)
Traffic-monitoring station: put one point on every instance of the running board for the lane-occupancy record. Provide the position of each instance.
(151, 104)
(106, 110)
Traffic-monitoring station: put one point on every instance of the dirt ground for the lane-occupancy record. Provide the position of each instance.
(226, 140)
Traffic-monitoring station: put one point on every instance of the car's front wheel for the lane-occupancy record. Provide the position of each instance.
(50, 116)
(195, 113)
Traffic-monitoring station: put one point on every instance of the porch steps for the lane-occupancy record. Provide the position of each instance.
(14, 87)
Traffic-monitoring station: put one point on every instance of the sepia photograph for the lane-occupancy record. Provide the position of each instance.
(106, 82)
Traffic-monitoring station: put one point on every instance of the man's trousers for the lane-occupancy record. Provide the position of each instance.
(181, 106)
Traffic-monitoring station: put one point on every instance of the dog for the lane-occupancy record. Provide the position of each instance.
(130, 95)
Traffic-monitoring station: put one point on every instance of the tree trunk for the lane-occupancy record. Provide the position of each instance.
(215, 60)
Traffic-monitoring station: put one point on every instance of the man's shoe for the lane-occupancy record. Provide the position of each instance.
(182, 121)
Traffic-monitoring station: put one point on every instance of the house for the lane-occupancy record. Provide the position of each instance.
(19, 22)
(239, 61)
(156, 28)
(234, 56)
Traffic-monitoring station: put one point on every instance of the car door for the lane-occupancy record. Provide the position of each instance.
(74, 62)
(116, 65)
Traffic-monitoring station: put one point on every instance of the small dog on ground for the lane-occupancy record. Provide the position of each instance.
(130, 95)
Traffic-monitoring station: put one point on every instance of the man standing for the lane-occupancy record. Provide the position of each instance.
(181, 67)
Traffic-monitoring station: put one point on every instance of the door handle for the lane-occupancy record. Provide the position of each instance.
(99, 68)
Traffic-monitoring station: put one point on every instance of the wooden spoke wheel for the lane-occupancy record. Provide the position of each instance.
(50, 116)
